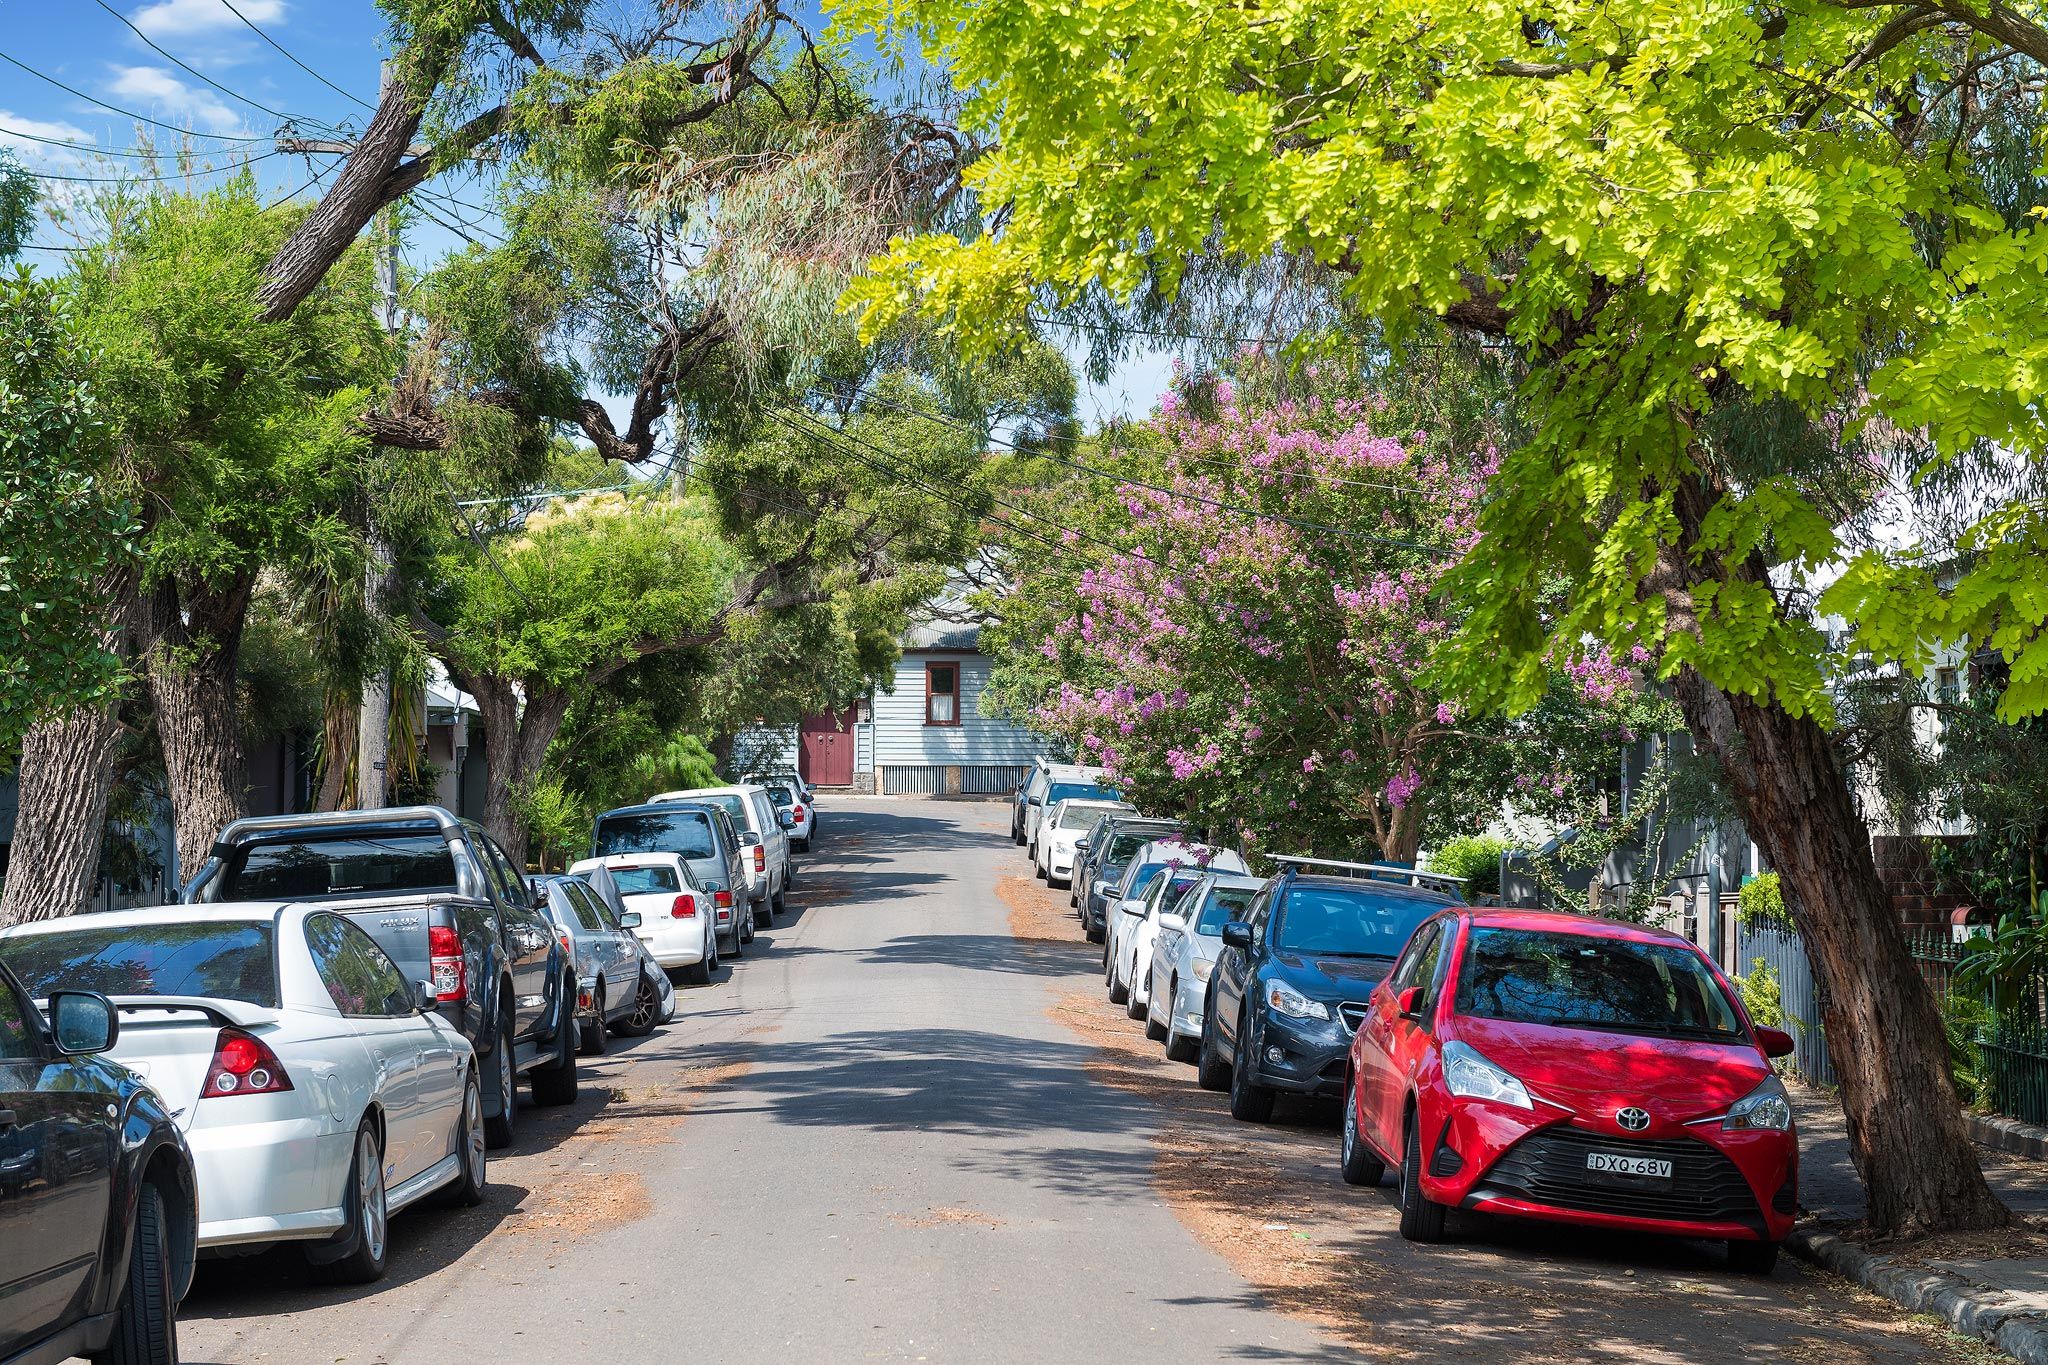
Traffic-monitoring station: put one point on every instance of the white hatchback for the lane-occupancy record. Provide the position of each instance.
(1064, 826)
(318, 1089)
(679, 924)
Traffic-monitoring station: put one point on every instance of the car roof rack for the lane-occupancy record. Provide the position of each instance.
(1375, 871)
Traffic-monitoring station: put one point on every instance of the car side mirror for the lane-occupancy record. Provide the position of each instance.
(424, 1000)
(84, 1022)
(1238, 934)
(1173, 923)
(785, 819)
(749, 839)
(631, 919)
(1409, 1003)
(1032, 801)
(1080, 845)
(1775, 1042)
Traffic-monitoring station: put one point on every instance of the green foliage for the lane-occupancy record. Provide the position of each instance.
(1966, 1020)
(18, 199)
(1674, 792)
(64, 519)
(556, 820)
(1762, 996)
(1761, 903)
(2011, 965)
(1476, 858)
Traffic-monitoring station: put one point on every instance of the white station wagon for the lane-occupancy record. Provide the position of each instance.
(318, 1089)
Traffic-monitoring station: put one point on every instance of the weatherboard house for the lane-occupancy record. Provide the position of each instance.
(924, 734)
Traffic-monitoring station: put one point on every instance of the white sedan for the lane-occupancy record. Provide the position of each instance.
(1064, 826)
(679, 925)
(1158, 874)
(318, 1089)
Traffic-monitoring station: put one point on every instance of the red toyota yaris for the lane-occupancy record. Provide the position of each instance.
(1581, 1070)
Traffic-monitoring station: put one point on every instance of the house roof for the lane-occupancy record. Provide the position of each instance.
(941, 635)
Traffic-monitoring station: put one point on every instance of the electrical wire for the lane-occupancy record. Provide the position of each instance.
(294, 60)
(188, 174)
(125, 113)
(141, 152)
(230, 93)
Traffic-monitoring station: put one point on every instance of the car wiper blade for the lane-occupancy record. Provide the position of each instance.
(1332, 952)
(1654, 1030)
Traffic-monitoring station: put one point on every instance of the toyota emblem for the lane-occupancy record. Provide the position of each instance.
(1632, 1118)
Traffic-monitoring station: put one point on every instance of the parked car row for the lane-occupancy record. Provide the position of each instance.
(1525, 1063)
(332, 1026)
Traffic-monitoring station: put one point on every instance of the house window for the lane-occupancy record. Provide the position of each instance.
(942, 694)
(1948, 686)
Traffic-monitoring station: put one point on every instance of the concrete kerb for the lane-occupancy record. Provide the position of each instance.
(1964, 1306)
(2008, 1135)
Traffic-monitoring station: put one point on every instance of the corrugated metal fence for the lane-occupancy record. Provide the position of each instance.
(1800, 997)
(965, 779)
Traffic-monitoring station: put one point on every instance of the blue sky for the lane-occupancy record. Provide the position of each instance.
(240, 92)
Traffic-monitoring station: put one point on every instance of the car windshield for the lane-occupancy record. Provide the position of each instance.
(734, 806)
(1079, 817)
(1337, 921)
(645, 881)
(780, 796)
(1079, 791)
(313, 867)
(683, 832)
(1571, 980)
(1225, 904)
(226, 960)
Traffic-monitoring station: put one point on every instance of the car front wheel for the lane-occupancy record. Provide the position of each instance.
(1250, 1102)
(1211, 1071)
(501, 1129)
(1422, 1218)
(146, 1326)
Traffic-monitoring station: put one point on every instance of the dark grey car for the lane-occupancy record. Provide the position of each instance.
(699, 833)
(610, 993)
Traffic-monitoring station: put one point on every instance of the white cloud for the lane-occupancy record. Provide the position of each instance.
(156, 85)
(201, 16)
(20, 133)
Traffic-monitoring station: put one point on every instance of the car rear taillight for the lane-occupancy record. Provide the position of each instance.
(243, 1064)
(444, 964)
(584, 998)
(684, 908)
(722, 899)
(760, 858)
(568, 948)
(796, 812)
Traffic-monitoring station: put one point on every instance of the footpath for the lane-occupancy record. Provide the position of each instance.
(1993, 1286)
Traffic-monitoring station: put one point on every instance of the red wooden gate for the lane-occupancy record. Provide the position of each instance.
(825, 753)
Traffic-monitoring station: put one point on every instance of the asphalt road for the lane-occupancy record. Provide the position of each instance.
(907, 1127)
(868, 1141)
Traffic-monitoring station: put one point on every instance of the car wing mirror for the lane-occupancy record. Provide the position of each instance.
(785, 819)
(1237, 934)
(631, 919)
(1172, 923)
(749, 839)
(83, 1022)
(1775, 1042)
(1080, 845)
(424, 998)
(1409, 1003)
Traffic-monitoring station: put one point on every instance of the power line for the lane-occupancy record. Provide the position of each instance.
(185, 174)
(141, 152)
(117, 109)
(282, 199)
(294, 60)
(231, 94)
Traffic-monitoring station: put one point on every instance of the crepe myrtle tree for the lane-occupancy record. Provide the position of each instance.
(1246, 628)
(1741, 250)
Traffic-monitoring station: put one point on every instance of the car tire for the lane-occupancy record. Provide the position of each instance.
(646, 1009)
(1094, 935)
(1752, 1258)
(591, 1035)
(500, 1131)
(555, 1083)
(369, 1214)
(780, 905)
(1355, 1160)
(1119, 993)
(1250, 1102)
(1181, 1048)
(742, 935)
(1211, 1071)
(146, 1323)
(1134, 1007)
(1154, 1030)
(468, 1190)
(1422, 1218)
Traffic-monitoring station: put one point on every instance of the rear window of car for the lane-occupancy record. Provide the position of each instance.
(1584, 981)
(1080, 791)
(780, 796)
(1335, 921)
(1225, 904)
(684, 832)
(227, 960)
(645, 881)
(1079, 817)
(1123, 846)
(340, 864)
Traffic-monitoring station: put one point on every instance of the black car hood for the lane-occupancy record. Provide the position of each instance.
(1332, 978)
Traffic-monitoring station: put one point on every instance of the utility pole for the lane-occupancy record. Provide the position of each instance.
(380, 579)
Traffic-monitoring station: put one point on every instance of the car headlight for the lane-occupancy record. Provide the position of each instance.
(1204, 966)
(1766, 1109)
(1293, 1003)
(1471, 1076)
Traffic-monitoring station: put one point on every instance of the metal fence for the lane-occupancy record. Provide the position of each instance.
(1800, 997)
(965, 779)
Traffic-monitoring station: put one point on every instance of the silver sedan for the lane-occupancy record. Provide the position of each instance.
(1183, 955)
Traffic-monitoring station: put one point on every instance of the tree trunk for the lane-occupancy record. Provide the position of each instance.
(516, 741)
(192, 676)
(1404, 833)
(1906, 1132)
(337, 753)
(67, 771)
(1890, 1048)
(67, 774)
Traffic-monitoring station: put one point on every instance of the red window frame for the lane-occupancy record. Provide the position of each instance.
(930, 665)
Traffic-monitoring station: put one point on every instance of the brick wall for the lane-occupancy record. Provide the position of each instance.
(1917, 897)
